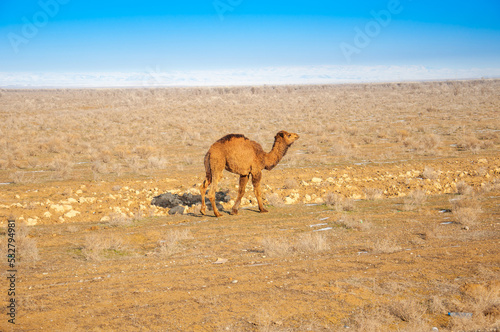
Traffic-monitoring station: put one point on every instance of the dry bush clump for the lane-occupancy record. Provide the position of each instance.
(339, 202)
(306, 243)
(276, 247)
(350, 222)
(466, 210)
(408, 310)
(92, 126)
(26, 246)
(99, 246)
(170, 244)
(414, 200)
(291, 183)
(385, 245)
(464, 189)
(430, 173)
(373, 193)
(482, 301)
(312, 242)
(426, 144)
(274, 199)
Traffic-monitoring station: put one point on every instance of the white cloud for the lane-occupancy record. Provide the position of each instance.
(227, 77)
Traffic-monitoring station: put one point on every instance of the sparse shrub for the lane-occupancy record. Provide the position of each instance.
(429, 173)
(408, 310)
(422, 144)
(119, 220)
(339, 202)
(275, 247)
(312, 242)
(291, 183)
(463, 188)
(274, 200)
(414, 200)
(156, 163)
(466, 210)
(26, 247)
(350, 222)
(170, 244)
(385, 245)
(98, 245)
(373, 193)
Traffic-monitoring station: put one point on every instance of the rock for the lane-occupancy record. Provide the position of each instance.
(105, 219)
(47, 214)
(176, 210)
(316, 180)
(72, 200)
(116, 188)
(289, 200)
(57, 208)
(482, 161)
(31, 221)
(330, 180)
(71, 214)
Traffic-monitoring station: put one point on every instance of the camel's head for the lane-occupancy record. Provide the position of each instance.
(289, 138)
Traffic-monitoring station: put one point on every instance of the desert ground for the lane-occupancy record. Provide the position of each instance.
(383, 216)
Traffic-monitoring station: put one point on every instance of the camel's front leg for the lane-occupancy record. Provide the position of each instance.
(256, 188)
(241, 192)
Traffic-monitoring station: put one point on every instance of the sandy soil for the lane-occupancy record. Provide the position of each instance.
(382, 235)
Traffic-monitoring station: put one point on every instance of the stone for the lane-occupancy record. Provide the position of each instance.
(31, 221)
(57, 208)
(316, 180)
(71, 214)
(105, 219)
(176, 210)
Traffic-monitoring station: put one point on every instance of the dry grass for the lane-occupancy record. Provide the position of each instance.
(312, 243)
(414, 200)
(464, 189)
(351, 222)
(466, 210)
(305, 243)
(274, 199)
(339, 202)
(91, 138)
(373, 193)
(100, 246)
(171, 243)
(277, 247)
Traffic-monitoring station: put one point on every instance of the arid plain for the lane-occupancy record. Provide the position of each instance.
(383, 215)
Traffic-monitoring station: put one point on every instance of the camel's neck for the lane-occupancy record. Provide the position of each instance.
(275, 155)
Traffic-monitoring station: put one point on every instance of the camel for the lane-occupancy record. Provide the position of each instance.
(237, 154)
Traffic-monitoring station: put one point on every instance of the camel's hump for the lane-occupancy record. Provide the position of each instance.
(230, 137)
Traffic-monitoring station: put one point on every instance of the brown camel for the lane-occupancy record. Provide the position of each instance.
(239, 155)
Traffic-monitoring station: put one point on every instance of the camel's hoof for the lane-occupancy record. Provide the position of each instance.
(263, 211)
(202, 211)
(218, 214)
(234, 212)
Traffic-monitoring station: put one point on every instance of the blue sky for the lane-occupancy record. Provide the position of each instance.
(130, 36)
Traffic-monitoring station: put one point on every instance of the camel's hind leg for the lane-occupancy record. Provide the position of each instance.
(241, 192)
(203, 190)
(258, 193)
(212, 191)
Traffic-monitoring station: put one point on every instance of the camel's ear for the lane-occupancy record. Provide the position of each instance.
(280, 134)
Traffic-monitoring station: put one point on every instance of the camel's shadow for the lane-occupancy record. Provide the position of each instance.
(176, 202)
